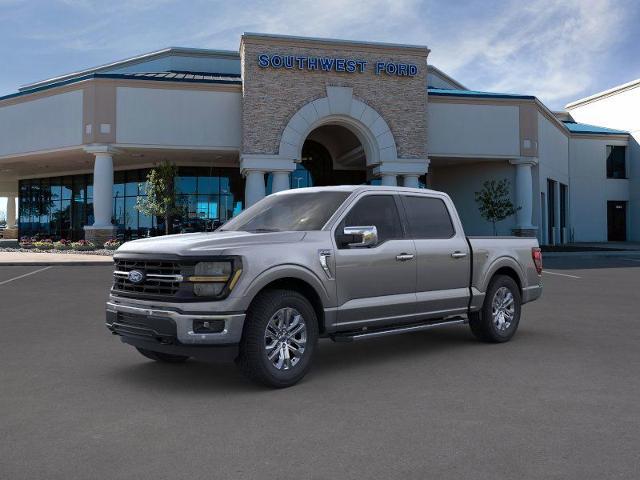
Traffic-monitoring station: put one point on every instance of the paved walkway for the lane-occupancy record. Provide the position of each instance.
(33, 258)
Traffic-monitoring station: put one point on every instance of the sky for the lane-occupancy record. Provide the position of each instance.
(557, 50)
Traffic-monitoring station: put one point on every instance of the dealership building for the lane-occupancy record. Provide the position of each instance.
(288, 112)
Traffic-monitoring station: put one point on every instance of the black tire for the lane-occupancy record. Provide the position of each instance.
(162, 357)
(253, 358)
(482, 323)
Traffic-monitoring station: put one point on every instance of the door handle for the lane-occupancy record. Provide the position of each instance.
(458, 254)
(403, 257)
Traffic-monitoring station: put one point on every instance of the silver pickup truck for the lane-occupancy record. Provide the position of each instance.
(345, 262)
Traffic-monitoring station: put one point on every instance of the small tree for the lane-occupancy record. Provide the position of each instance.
(494, 202)
(161, 199)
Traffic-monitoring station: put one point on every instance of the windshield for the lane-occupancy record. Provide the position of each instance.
(298, 211)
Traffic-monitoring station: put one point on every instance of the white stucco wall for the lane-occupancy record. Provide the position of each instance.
(462, 180)
(471, 129)
(553, 163)
(189, 118)
(620, 111)
(43, 124)
(589, 189)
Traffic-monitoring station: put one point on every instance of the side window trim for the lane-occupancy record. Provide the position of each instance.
(446, 208)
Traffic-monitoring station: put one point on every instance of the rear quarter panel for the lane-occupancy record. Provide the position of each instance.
(492, 253)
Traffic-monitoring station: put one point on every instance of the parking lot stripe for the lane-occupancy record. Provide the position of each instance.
(561, 274)
(25, 275)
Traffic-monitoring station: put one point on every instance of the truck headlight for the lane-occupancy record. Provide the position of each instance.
(211, 278)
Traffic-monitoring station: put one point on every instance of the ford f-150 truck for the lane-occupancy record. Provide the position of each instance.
(344, 262)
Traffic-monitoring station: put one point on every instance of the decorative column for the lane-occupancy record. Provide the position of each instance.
(524, 196)
(280, 181)
(254, 165)
(11, 232)
(11, 212)
(389, 180)
(557, 230)
(102, 229)
(254, 189)
(409, 169)
(411, 181)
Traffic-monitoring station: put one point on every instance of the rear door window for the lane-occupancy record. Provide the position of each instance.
(427, 217)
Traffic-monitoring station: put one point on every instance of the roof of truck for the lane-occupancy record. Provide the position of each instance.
(355, 188)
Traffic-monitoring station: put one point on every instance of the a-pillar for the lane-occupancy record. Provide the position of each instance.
(524, 196)
(102, 228)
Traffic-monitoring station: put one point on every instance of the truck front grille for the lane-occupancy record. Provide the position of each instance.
(161, 277)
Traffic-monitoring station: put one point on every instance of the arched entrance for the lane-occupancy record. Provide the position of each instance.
(332, 155)
(337, 139)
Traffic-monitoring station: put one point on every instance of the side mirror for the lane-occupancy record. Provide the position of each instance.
(359, 237)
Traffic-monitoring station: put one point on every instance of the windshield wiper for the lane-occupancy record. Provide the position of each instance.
(263, 230)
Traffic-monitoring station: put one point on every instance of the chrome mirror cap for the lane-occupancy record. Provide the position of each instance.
(368, 235)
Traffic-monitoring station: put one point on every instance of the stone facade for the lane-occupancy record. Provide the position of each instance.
(272, 96)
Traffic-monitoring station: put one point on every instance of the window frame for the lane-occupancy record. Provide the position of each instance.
(336, 228)
(625, 159)
(431, 197)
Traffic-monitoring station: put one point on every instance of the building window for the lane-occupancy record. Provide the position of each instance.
(60, 207)
(616, 164)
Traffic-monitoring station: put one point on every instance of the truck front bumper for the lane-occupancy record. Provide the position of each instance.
(166, 327)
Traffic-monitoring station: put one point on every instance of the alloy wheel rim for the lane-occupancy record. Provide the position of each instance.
(503, 309)
(285, 338)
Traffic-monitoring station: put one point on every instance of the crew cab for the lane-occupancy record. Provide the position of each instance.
(346, 263)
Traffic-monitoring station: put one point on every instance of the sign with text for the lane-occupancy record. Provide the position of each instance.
(335, 64)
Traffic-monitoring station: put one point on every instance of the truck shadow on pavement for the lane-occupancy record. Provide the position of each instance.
(332, 359)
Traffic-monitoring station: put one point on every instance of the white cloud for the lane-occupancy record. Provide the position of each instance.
(548, 48)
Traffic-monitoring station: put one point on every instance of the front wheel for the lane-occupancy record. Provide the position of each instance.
(499, 317)
(279, 338)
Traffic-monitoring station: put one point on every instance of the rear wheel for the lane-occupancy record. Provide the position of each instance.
(162, 357)
(279, 338)
(499, 317)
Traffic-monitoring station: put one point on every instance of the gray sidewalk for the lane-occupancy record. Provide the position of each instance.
(36, 259)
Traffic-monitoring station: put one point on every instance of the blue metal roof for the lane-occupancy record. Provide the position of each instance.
(575, 127)
(444, 92)
(188, 77)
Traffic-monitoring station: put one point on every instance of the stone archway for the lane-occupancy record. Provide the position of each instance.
(339, 107)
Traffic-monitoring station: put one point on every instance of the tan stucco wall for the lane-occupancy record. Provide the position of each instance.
(272, 96)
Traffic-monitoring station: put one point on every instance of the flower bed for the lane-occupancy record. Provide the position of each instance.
(46, 245)
(112, 244)
(83, 245)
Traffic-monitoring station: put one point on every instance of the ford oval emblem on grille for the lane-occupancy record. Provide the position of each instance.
(136, 276)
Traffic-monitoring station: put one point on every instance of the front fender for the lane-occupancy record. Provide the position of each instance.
(297, 272)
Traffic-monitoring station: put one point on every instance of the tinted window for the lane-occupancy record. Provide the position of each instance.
(616, 167)
(428, 217)
(379, 211)
(297, 211)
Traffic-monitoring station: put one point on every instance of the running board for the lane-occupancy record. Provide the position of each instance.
(365, 334)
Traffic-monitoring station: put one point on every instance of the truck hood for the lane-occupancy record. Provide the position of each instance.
(206, 242)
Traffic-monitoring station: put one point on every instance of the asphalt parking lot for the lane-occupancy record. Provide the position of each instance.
(559, 401)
